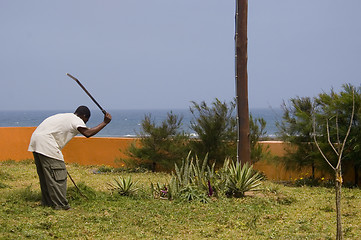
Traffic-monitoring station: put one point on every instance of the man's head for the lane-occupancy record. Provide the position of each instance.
(83, 112)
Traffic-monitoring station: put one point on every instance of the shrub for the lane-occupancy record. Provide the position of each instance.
(163, 144)
(215, 126)
(296, 128)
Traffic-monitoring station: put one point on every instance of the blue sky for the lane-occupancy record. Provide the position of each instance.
(163, 54)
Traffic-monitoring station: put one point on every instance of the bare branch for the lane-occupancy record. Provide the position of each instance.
(338, 133)
(329, 138)
(319, 149)
(348, 130)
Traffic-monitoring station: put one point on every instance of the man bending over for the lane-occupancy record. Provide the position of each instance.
(46, 143)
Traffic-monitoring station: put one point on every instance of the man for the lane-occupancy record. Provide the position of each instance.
(46, 143)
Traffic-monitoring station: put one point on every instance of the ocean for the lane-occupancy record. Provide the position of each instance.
(127, 123)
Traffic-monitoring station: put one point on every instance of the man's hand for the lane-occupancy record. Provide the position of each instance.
(107, 118)
(88, 132)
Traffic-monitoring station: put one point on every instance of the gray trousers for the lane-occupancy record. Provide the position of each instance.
(52, 176)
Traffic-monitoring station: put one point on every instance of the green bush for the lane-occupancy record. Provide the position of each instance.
(162, 144)
(216, 127)
(333, 109)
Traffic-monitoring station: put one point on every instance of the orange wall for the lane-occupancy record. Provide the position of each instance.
(96, 150)
(277, 148)
(14, 143)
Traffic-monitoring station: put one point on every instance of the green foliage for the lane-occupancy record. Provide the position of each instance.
(184, 181)
(196, 180)
(331, 111)
(123, 186)
(296, 128)
(215, 126)
(241, 179)
(190, 181)
(335, 109)
(163, 144)
(193, 193)
(159, 191)
(257, 130)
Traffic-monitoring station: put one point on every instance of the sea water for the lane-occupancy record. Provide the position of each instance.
(127, 123)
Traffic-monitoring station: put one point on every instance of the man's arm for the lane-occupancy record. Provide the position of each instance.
(88, 132)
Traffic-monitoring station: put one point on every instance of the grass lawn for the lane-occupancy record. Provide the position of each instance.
(277, 212)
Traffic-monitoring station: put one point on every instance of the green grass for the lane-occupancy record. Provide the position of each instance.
(278, 212)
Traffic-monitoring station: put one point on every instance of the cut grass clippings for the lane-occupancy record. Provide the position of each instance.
(277, 212)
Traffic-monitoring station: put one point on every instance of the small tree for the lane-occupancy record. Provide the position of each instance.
(296, 128)
(338, 148)
(215, 126)
(164, 144)
(341, 105)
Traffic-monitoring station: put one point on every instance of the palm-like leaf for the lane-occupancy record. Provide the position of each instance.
(242, 179)
(123, 186)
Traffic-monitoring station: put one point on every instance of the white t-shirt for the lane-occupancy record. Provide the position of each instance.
(54, 133)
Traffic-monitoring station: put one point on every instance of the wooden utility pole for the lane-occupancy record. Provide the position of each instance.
(241, 41)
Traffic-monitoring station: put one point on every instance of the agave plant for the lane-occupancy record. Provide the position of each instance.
(242, 179)
(193, 193)
(183, 173)
(124, 187)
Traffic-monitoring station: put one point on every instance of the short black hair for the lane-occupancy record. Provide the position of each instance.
(83, 111)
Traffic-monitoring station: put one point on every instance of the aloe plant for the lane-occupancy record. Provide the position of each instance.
(124, 187)
(193, 193)
(242, 179)
(196, 180)
(183, 173)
